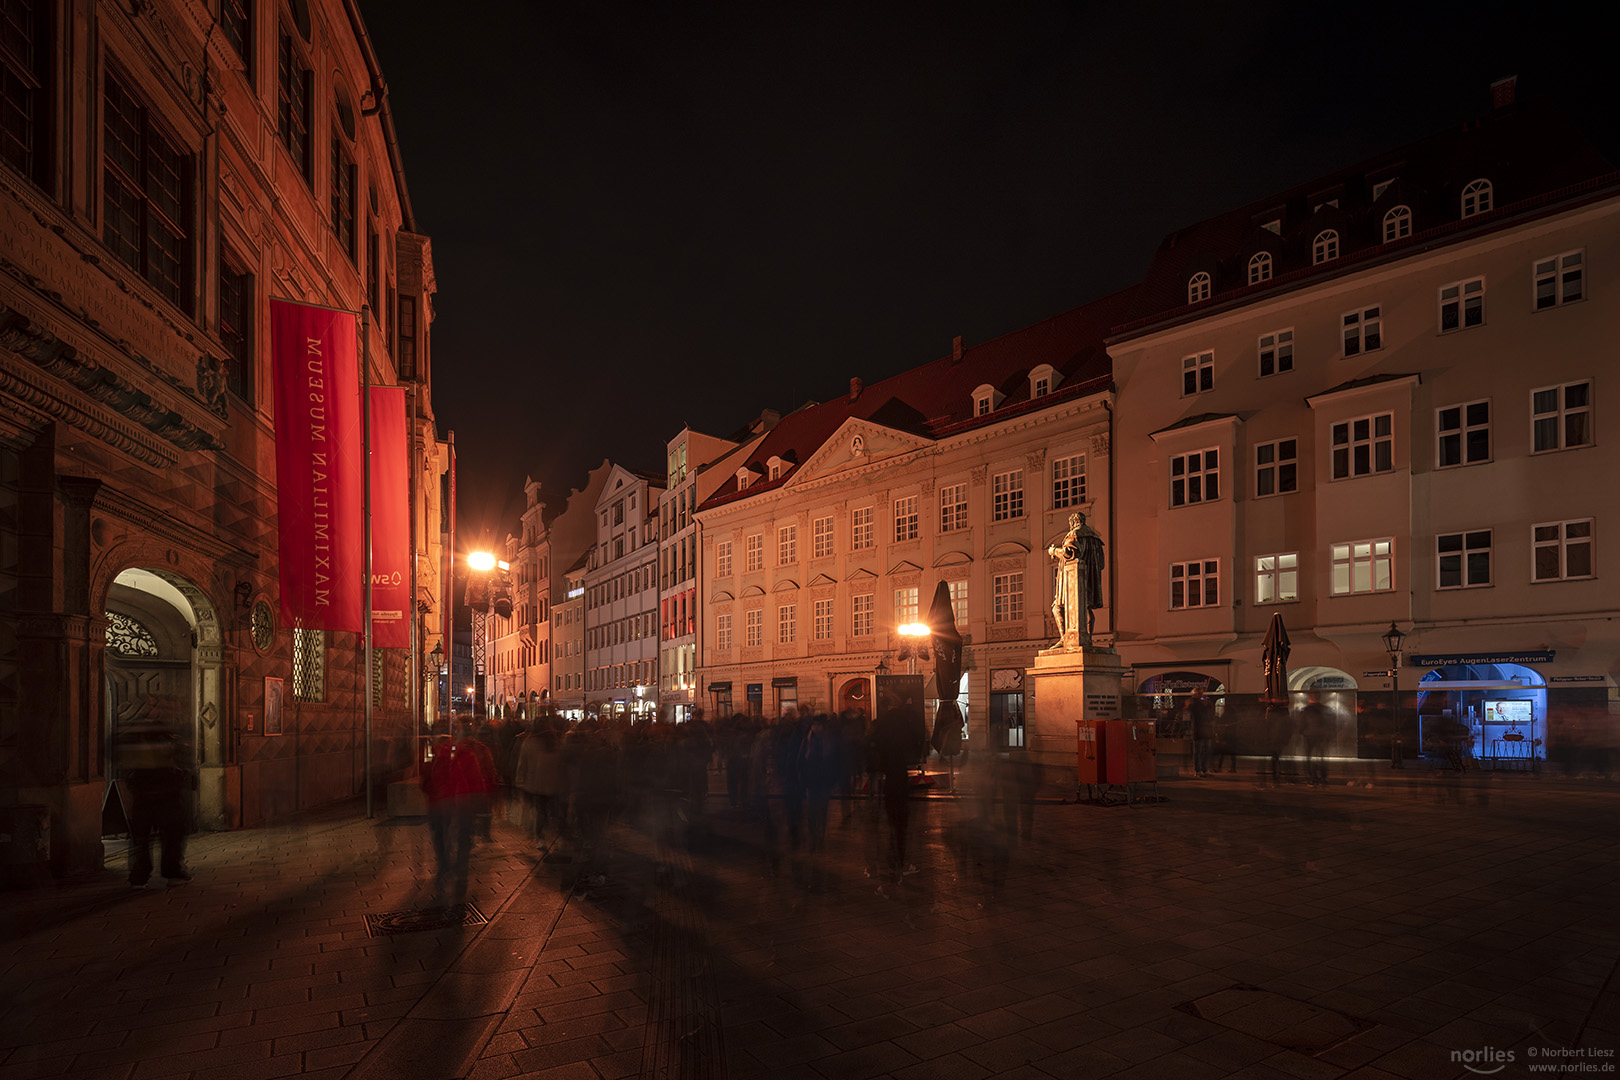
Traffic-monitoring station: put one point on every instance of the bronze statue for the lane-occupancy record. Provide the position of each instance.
(1079, 584)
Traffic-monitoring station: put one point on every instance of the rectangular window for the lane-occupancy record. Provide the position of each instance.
(787, 545)
(1363, 566)
(405, 323)
(23, 95)
(1276, 352)
(1563, 550)
(959, 610)
(860, 529)
(1195, 584)
(905, 519)
(235, 323)
(953, 506)
(1363, 331)
(1007, 597)
(1276, 578)
(1463, 559)
(905, 606)
(293, 96)
(343, 198)
(754, 628)
(236, 23)
(1561, 416)
(722, 559)
(373, 248)
(1068, 481)
(860, 615)
(1462, 434)
(821, 538)
(309, 665)
(1462, 305)
(1197, 373)
(755, 553)
(1558, 280)
(824, 620)
(1007, 495)
(787, 624)
(1195, 477)
(1276, 468)
(1363, 446)
(146, 197)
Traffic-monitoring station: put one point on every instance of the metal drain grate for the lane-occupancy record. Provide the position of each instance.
(1276, 1018)
(411, 922)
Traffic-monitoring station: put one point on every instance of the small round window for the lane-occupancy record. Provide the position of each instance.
(264, 626)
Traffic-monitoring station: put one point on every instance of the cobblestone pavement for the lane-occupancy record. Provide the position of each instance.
(1421, 929)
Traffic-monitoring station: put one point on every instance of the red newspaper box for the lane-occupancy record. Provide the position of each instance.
(1130, 755)
(1093, 737)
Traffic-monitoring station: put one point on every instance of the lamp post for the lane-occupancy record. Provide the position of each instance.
(914, 633)
(1393, 640)
(480, 563)
(436, 658)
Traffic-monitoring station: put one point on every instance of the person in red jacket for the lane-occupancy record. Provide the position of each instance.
(458, 785)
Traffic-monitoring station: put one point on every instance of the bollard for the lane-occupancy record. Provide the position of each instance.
(1397, 760)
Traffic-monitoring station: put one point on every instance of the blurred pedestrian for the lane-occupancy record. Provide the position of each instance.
(157, 776)
(1201, 718)
(458, 784)
(1316, 731)
(539, 777)
(900, 739)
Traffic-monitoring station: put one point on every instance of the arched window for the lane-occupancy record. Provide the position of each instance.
(1397, 223)
(1476, 198)
(1260, 267)
(1198, 287)
(1325, 246)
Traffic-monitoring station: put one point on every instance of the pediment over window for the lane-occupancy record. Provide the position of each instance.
(821, 579)
(721, 597)
(856, 443)
(1006, 548)
(862, 574)
(953, 558)
(753, 590)
(785, 585)
(904, 566)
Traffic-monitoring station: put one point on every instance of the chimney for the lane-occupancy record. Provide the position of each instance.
(1503, 92)
(957, 351)
(854, 389)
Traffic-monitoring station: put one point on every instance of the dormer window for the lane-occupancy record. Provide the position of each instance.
(1042, 380)
(745, 476)
(1260, 267)
(1198, 288)
(1325, 246)
(1476, 198)
(985, 399)
(1327, 202)
(773, 469)
(1398, 223)
(1273, 226)
(1379, 189)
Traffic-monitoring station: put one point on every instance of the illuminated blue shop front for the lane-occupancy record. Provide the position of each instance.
(1484, 709)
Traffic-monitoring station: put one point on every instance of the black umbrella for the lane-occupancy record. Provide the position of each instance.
(947, 672)
(1274, 659)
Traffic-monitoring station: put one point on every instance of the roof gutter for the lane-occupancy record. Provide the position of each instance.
(379, 108)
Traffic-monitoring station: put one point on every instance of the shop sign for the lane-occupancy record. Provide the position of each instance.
(1337, 682)
(784, 681)
(717, 687)
(1447, 659)
(1578, 679)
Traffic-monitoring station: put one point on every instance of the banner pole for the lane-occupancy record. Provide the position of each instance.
(450, 592)
(415, 675)
(365, 414)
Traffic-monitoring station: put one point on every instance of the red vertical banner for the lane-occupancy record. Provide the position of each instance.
(320, 452)
(449, 587)
(390, 521)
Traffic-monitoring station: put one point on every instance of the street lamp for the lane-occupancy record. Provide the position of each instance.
(480, 563)
(914, 632)
(436, 657)
(1393, 639)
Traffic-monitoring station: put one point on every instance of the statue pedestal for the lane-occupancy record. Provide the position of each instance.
(1068, 683)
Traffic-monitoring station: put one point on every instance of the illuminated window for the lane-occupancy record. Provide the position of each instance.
(1195, 584)
(1259, 267)
(1397, 223)
(953, 507)
(1363, 566)
(821, 537)
(1462, 305)
(1563, 550)
(309, 665)
(1195, 477)
(1462, 434)
(1558, 279)
(1363, 331)
(1276, 468)
(860, 611)
(1476, 198)
(1197, 373)
(824, 620)
(1463, 560)
(1068, 481)
(1007, 597)
(1276, 352)
(1276, 578)
(1561, 416)
(1363, 446)
(1325, 246)
(905, 519)
(959, 610)
(860, 528)
(1007, 495)
(905, 606)
(1198, 288)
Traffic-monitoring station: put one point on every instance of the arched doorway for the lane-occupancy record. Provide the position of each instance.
(856, 695)
(163, 668)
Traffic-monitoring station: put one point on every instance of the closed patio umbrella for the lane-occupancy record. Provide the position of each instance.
(1274, 659)
(947, 672)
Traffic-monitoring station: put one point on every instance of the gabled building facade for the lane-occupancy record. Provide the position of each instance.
(621, 598)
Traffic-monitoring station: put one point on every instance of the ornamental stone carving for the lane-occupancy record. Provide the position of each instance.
(1099, 444)
(979, 473)
(1035, 459)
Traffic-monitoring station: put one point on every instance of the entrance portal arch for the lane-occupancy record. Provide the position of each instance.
(164, 665)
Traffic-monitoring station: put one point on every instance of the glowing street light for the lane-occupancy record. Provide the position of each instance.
(482, 561)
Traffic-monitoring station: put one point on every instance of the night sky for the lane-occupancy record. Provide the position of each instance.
(652, 215)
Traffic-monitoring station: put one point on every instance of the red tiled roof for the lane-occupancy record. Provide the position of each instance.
(937, 398)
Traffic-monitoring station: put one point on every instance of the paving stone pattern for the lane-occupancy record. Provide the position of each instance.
(1351, 931)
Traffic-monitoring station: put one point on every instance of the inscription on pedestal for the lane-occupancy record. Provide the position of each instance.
(1102, 706)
